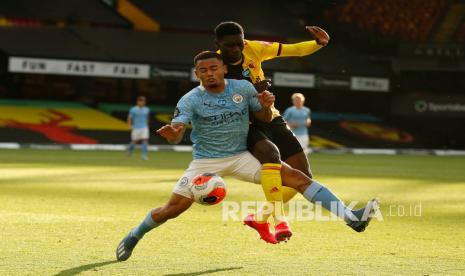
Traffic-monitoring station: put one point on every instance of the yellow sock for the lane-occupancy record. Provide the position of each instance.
(288, 193)
(272, 187)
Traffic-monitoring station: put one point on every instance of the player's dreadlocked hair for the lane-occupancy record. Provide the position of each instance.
(206, 55)
(228, 28)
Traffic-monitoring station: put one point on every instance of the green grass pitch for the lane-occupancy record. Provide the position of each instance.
(64, 212)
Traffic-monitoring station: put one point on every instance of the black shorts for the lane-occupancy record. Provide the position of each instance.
(278, 133)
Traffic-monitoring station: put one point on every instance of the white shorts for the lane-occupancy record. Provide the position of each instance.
(242, 166)
(139, 134)
(303, 141)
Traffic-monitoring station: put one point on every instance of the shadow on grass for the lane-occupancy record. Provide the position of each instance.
(205, 271)
(82, 268)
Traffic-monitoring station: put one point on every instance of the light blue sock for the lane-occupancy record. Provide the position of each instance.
(131, 148)
(145, 149)
(319, 193)
(145, 226)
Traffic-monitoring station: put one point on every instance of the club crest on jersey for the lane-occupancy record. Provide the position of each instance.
(246, 73)
(237, 98)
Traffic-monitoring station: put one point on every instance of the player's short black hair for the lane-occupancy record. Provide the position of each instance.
(228, 28)
(206, 55)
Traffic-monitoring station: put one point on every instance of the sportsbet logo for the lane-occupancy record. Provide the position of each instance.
(421, 106)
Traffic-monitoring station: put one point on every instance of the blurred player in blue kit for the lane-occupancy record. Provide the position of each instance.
(298, 119)
(138, 122)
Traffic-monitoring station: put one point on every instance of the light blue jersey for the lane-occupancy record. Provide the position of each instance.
(220, 121)
(298, 116)
(139, 117)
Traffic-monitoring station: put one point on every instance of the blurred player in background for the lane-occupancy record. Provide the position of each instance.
(298, 119)
(269, 143)
(138, 121)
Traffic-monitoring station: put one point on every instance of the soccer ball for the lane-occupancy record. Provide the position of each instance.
(208, 189)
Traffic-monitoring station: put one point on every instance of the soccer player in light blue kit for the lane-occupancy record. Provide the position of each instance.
(138, 121)
(298, 119)
(218, 111)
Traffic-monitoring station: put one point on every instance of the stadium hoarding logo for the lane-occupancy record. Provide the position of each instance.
(297, 80)
(165, 73)
(369, 84)
(429, 104)
(78, 68)
(421, 106)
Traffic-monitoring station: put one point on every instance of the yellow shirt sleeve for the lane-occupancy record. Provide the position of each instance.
(269, 50)
(299, 49)
(264, 50)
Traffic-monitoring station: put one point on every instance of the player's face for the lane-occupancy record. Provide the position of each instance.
(210, 72)
(231, 47)
(141, 102)
(297, 101)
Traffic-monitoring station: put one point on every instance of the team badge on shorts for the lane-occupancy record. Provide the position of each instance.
(184, 181)
(237, 98)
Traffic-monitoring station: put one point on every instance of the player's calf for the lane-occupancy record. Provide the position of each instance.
(156, 217)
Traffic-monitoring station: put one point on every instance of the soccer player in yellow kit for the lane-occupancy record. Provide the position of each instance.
(273, 142)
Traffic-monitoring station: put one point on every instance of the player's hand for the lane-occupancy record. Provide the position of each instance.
(320, 35)
(266, 99)
(170, 133)
(262, 85)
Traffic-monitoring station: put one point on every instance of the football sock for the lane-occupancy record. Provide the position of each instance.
(145, 226)
(317, 193)
(272, 187)
(145, 149)
(130, 148)
(288, 193)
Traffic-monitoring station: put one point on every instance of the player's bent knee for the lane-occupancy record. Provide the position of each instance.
(300, 162)
(294, 179)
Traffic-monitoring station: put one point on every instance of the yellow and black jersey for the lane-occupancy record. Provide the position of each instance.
(255, 52)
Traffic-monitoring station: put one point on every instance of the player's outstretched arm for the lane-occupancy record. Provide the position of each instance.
(266, 100)
(321, 39)
(172, 133)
